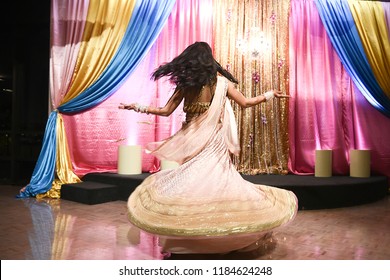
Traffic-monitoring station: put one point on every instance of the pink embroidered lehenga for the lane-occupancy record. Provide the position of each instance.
(204, 205)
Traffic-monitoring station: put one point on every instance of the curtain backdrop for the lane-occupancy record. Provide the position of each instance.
(110, 52)
(94, 135)
(332, 57)
(327, 110)
(251, 41)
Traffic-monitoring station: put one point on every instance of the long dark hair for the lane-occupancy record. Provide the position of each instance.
(193, 68)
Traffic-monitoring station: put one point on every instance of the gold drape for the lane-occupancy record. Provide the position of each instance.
(371, 24)
(251, 41)
(106, 25)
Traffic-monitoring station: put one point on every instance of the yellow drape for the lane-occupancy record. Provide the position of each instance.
(371, 24)
(251, 40)
(106, 24)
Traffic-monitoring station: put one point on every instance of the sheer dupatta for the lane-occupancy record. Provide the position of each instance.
(193, 137)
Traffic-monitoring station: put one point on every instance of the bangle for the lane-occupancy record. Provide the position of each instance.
(141, 109)
(269, 95)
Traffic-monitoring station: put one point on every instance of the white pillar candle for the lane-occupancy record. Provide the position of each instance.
(168, 164)
(323, 164)
(129, 159)
(360, 161)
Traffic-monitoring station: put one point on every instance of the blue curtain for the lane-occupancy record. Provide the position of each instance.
(341, 29)
(43, 174)
(146, 23)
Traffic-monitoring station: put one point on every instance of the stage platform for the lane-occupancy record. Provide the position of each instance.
(312, 192)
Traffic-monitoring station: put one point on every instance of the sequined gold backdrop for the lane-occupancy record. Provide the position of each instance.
(251, 41)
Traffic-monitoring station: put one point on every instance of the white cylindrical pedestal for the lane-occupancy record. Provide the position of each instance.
(167, 164)
(129, 159)
(323, 164)
(360, 161)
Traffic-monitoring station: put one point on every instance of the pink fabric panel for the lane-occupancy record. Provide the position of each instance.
(67, 23)
(326, 110)
(371, 131)
(190, 21)
(386, 9)
(94, 135)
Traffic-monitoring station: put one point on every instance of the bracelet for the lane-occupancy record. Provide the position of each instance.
(269, 95)
(141, 109)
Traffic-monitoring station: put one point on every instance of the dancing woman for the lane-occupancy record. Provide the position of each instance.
(204, 205)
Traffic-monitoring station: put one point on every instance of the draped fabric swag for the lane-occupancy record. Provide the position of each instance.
(366, 60)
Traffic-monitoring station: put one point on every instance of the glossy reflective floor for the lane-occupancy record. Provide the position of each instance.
(66, 230)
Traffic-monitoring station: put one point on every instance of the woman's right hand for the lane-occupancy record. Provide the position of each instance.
(124, 106)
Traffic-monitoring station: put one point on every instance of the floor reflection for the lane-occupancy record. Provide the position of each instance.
(52, 236)
(64, 230)
(41, 236)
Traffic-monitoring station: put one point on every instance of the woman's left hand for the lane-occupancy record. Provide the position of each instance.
(279, 94)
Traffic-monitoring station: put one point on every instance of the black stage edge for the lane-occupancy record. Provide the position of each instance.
(312, 192)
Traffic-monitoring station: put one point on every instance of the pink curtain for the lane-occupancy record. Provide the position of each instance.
(190, 21)
(94, 135)
(326, 110)
(67, 24)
